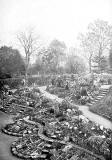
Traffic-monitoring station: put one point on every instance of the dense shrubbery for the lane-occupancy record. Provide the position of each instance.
(11, 62)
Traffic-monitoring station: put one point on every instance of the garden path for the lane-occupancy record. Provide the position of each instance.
(85, 109)
(6, 140)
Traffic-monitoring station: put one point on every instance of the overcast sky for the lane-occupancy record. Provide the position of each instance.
(61, 19)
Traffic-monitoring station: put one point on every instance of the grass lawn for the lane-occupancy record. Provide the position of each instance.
(104, 107)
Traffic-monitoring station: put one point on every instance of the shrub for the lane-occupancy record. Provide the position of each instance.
(108, 100)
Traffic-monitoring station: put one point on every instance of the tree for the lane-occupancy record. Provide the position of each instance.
(58, 46)
(110, 57)
(103, 63)
(11, 62)
(37, 67)
(89, 49)
(30, 45)
(52, 55)
(97, 40)
(102, 32)
(74, 64)
(57, 49)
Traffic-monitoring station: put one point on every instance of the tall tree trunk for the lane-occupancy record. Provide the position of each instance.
(99, 57)
(27, 66)
(90, 61)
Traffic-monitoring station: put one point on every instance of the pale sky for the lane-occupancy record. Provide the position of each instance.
(61, 19)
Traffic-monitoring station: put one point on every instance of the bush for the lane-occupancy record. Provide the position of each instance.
(108, 100)
(98, 145)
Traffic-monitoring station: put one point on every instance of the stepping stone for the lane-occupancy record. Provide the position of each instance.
(26, 156)
(13, 149)
(89, 104)
(92, 103)
(20, 155)
(101, 95)
(98, 99)
(92, 97)
(104, 91)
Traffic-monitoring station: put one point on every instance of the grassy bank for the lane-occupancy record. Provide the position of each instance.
(104, 107)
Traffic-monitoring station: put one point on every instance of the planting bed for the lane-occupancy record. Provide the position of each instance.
(73, 94)
(19, 128)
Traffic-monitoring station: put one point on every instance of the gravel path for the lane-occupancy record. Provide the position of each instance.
(5, 140)
(95, 118)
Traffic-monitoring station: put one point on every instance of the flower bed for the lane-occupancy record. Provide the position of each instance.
(19, 128)
(33, 147)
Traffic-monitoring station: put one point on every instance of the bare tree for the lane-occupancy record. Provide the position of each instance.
(30, 44)
(52, 55)
(96, 41)
(88, 47)
(74, 64)
(102, 34)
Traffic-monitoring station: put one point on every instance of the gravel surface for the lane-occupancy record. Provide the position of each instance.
(5, 140)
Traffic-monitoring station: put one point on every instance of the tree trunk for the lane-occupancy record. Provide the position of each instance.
(90, 60)
(99, 61)
(27, 66)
